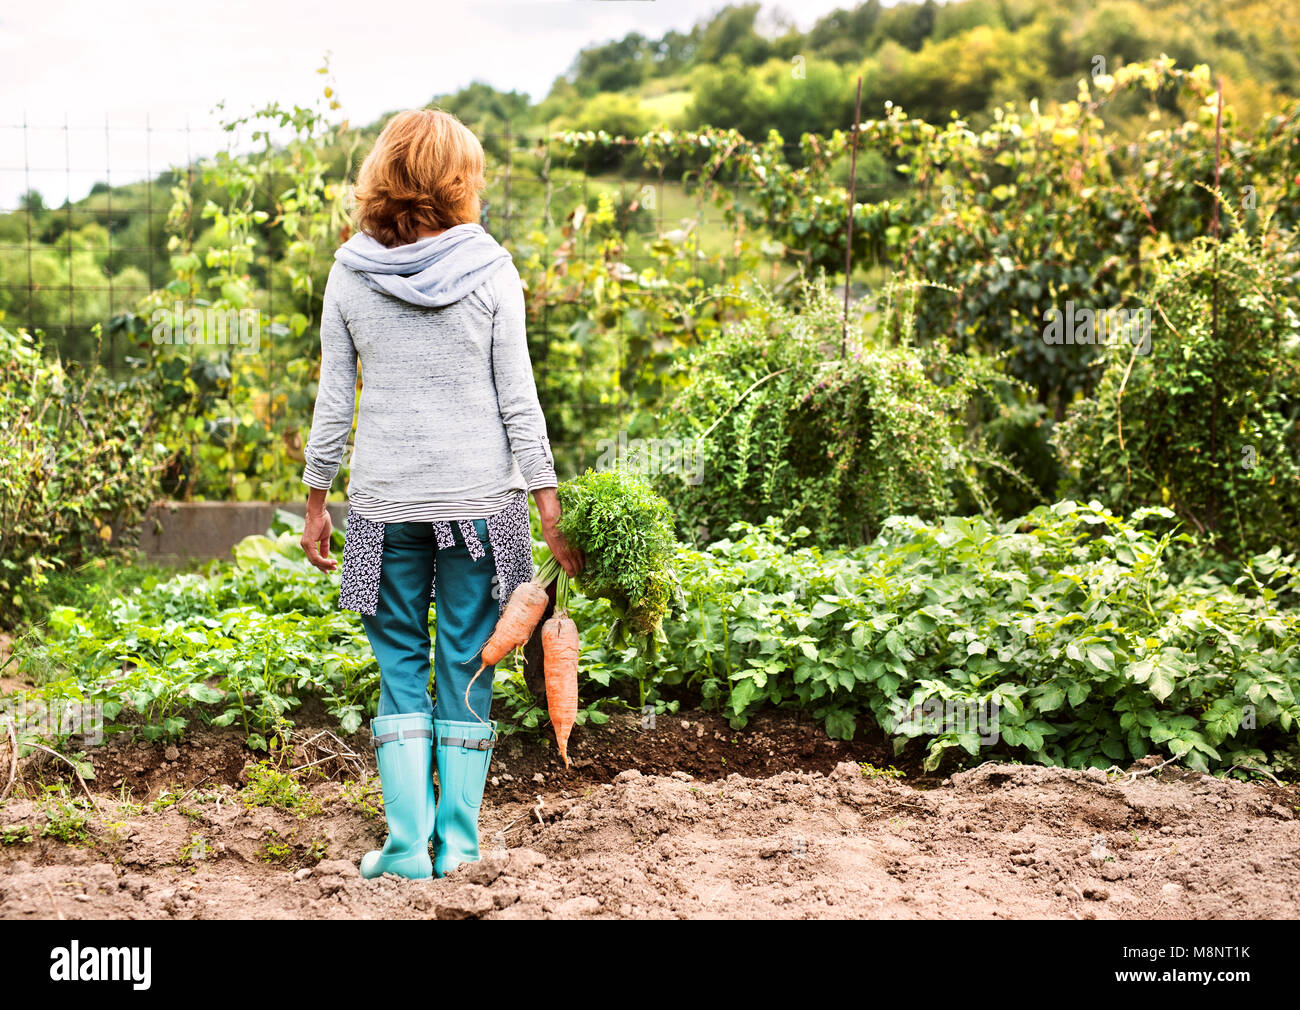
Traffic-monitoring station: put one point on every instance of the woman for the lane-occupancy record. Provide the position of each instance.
(450, 438)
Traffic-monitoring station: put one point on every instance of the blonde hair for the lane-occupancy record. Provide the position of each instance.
(425, 171)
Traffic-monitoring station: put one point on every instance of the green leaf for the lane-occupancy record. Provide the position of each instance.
(206, 695)
(840, 725)
(1050, 698)
(1161, 684)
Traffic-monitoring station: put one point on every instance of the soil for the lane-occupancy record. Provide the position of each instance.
(688, 819)
(699, 743)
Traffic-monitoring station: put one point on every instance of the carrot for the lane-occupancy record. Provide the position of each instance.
(514, 627)
(560, 645)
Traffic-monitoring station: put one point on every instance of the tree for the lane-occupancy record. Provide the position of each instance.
(732, 32)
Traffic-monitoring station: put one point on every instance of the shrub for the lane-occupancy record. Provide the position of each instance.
(1207, 422)
(76, 461)
(786, 425)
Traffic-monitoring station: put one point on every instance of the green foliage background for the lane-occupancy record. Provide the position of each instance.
(667, 202)
(1067, 620)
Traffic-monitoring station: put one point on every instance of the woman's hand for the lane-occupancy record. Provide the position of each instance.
(548, 510)
(316, 532)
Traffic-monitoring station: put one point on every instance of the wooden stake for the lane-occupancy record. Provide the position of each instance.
(848, 245)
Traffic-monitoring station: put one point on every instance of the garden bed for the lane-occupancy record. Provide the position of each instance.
(791, 825)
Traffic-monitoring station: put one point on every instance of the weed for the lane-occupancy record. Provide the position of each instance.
(116, 831)
(281, 850)
(276, 849)
(366, 795)
(196, 849)
(126, 806)
(15, 834)
(872, 772)
(317, 850)
(66, 818)
(268, 786)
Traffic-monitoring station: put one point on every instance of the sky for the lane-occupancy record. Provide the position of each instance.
(88, 78)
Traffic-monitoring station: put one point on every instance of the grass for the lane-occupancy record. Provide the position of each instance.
(674, 209)
(66, 817)
(268, 786)
(366, 795)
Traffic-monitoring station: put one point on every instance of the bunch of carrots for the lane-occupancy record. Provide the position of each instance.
(515, 627)
(626, 532)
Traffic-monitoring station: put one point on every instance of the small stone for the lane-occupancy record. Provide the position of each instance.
(303, 874)
(522, 861)
(337, 867)
(469, 901)
(171, 753)
(329, 885)
(583, 904)
(486, 870)
(1095, 894)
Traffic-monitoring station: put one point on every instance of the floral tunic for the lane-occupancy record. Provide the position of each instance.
(508, 534)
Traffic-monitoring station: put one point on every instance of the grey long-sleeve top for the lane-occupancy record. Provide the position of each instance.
(450, 425)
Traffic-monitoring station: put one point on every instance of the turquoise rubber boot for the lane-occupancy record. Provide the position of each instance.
(464, 751)
(404, 750)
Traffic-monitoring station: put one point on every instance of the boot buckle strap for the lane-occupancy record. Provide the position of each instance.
(409, 734)
(456, 741)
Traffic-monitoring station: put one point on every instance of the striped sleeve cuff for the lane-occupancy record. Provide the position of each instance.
(537, 465)
(543, 479)
(318, 477)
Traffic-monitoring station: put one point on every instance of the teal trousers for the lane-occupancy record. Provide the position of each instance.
(466, 615)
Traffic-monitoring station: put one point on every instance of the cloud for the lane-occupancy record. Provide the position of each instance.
(108, 71)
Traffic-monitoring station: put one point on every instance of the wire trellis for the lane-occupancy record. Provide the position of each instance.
(94, 258)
